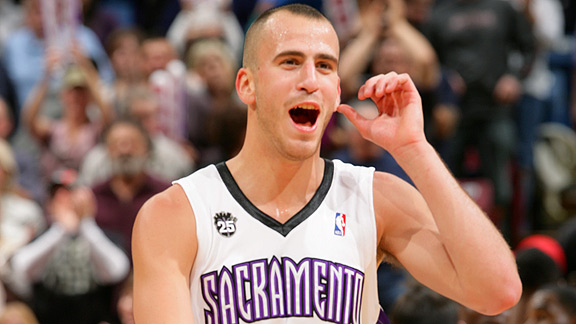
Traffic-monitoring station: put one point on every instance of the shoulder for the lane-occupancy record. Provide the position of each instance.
(163, 217)
(389, 187)
(172, 199)
(164, 234)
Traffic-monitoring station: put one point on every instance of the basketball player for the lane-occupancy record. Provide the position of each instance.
(279, 235)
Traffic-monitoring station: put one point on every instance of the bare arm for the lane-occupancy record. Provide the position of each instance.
(94, 84)
(164, 247)
(424, 66)
(436, 231)
(358, 53)
(38, 125)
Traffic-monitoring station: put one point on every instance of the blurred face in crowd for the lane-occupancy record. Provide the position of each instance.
(75, 100)
(126, 57)
(156, 54)
(216, 72)
(128, 149)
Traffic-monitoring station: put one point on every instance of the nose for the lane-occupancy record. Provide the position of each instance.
(308, 79)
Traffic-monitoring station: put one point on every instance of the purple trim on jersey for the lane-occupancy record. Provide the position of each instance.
(258, 290)
(382, 318)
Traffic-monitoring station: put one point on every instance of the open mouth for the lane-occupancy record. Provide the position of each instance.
(305, 115)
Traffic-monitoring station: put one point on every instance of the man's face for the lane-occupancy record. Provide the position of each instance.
(127, 58)
(296, 84)
(544, 308)
(156, 55)
(128, 150)
(75, 100)
(216, 72)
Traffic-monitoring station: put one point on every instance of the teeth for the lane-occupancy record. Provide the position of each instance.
(310, 107)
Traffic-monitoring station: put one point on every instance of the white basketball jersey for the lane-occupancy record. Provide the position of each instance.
(318, 266)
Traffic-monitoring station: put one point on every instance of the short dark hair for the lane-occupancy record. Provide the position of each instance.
(294, 8)
(536, 269)
(127, 120)
(421, 305)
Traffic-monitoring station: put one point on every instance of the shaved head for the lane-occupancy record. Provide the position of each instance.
(254, 33)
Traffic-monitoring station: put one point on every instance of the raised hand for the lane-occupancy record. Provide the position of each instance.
(400, 122)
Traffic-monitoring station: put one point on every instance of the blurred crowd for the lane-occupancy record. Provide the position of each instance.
(104, 102)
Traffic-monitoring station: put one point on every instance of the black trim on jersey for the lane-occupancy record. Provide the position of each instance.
(295, 220)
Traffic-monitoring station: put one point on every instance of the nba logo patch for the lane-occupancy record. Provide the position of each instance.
(340, 224)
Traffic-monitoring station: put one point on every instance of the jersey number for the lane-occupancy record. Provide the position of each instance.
(226, 228)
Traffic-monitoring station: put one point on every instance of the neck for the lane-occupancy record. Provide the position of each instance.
(278, 187)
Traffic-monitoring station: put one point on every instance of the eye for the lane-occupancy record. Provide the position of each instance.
(325, 66)
(289, 62)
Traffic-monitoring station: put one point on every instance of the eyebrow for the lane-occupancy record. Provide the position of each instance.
(322, 56)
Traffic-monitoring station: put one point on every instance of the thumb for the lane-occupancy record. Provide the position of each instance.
(353, 116)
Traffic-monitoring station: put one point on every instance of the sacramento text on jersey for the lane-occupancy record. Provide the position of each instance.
(260, 290)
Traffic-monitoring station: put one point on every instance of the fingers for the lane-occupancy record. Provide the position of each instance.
(353, 116)
(381, 85)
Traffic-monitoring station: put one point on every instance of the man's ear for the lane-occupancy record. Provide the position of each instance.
(339, 99)
(245, 86)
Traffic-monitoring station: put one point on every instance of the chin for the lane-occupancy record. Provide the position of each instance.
(302, 151)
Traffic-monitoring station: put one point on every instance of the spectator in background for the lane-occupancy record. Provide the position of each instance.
(157, 52)
(123, 47)
(473, 40)
(547, 20)
(216, 115)
(10, 19)
(552, 304)
(28, 168)
(205, 19)
(69, 272)
(65, 141)
(119, 198)
(169, 160)
(539, 260)
(25, 51)
(166, 75)
(21, 217)
(388, 42)
(421, 305)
